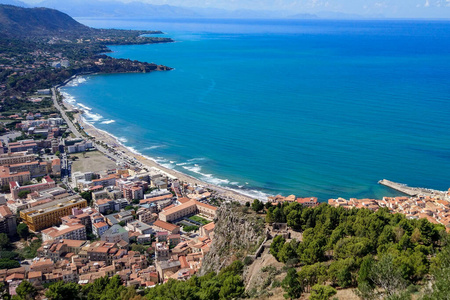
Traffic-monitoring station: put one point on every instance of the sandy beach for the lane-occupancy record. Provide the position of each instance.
(148, 163)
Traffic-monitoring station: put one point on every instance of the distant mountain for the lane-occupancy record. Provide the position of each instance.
(31, 22)
(238, 14)
(346, 16)
(116, 9)
(14, 2)
(303, 16)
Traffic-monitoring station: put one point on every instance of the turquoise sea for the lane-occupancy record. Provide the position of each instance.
(306, 107)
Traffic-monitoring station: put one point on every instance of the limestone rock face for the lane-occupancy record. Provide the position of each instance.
(238, 232)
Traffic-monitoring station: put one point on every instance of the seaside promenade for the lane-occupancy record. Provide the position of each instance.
(63, 114)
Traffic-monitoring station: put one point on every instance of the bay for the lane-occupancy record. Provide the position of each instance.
(307, 107)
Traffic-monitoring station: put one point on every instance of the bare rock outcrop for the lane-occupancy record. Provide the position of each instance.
(238, 232)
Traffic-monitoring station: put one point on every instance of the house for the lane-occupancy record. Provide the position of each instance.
(308, 202)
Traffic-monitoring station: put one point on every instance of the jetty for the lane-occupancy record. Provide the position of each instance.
(411, 191)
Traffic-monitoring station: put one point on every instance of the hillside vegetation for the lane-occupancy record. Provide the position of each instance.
(381, 254)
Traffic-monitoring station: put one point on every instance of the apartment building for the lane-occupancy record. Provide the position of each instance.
(146, 215)
(109, 180)
(99, 228)
(79, 147)
(29, 146)
(47, 183)
(16, 158)
(132, 192)
(115, 234)
(68, 232)
(7, 221)
(139, 227)
(6, 176)
(49, 214)
(35, 168)
(109, 192)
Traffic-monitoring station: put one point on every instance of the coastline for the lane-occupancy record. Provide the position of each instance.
(148, 162)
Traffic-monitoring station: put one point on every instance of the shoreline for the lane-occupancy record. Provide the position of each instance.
(143, 161)
(147, 162)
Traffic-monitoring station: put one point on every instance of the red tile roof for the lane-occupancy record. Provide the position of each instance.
(165, 225)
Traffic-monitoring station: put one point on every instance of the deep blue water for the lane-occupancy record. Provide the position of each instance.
(313, 108)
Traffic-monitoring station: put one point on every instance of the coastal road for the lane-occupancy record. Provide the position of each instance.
(75, 130)
(63, 114)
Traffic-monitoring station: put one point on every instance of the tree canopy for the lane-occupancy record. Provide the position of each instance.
(356, 247)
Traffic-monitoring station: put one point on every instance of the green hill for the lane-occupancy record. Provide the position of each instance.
(37, 22)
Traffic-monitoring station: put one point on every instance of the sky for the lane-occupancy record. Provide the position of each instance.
(388, 8)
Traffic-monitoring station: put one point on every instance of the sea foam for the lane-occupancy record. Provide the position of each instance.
(108, 122)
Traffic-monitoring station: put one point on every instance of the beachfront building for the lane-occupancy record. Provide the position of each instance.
(308, 202)
(79, 147)
(158, 200)
(188, 208)
(49, 214)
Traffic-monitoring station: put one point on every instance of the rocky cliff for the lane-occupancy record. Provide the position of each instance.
(238, 233)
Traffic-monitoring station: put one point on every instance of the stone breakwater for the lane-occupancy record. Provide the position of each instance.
(411, 191)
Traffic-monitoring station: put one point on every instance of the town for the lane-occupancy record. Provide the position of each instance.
(79, 210)
(129, 220)
(78, 207)
(141, 225)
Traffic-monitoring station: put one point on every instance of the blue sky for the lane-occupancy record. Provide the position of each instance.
(388, 8)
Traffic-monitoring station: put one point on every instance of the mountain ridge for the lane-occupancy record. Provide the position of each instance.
(26, 22)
